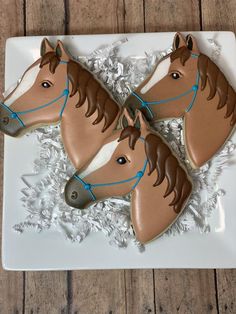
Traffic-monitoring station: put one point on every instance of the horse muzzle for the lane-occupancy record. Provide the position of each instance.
(75, 194)
(9, 125)
(133, 104)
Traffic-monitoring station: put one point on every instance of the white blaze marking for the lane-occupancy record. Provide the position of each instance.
(160, 72)
(102, 157)
(9, 90)
(25, 84)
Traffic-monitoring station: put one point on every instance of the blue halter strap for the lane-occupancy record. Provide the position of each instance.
(193, 89)
(89, 187)
(16, 114)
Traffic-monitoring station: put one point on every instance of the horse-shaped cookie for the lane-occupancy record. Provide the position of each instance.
(56, 88)
(135, 159)
(188, 84)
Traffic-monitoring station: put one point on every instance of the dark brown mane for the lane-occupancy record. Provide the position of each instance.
(132, 133)
(52, 59)
(88, 87)
(161, 159)
(182, 53)
(209, 72)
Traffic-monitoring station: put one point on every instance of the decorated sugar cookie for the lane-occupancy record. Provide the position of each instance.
(57, 89)
(135, 159)
(188, 84)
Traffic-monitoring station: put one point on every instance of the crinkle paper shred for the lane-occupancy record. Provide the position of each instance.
(43, 200)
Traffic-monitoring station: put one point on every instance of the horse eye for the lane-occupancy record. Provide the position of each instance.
(175, 75)
(121, 160)
(46, 84)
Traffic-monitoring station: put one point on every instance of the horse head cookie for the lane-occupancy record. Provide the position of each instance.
(56, 88)
(135, 159)
(188, 84)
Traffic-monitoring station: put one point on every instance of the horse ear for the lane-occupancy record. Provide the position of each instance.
(45, 47)
(126, 119)
(61, 52)
(192, 43)
(140, 121)
(178, 41)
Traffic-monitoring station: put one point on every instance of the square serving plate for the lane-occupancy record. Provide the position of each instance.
(50, 250)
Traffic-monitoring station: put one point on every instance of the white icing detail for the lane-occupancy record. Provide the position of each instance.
(25, 84)
(10, 89)
(160, 72)
(102, 157)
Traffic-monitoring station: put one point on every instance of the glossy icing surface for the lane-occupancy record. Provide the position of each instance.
(137, 160)
(195, 89)
(56, 88)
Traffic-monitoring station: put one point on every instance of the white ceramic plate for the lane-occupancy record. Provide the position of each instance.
(50, 250)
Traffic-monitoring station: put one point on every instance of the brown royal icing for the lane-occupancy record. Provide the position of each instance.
(89, 116)
(157, 198)
(209, 116)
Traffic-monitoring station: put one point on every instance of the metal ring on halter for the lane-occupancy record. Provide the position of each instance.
(16, 114)
(89, 187)
(194, 89)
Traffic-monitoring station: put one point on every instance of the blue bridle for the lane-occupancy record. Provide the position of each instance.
(16, 114)
(89, 187)
(193, 89)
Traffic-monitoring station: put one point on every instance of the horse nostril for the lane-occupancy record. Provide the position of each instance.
(74, 195)
(5, 120)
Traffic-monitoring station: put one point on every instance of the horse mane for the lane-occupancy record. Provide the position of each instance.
(209, 72)
(161, 159)
(88, 87)
(132, 133)
(182, 53)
